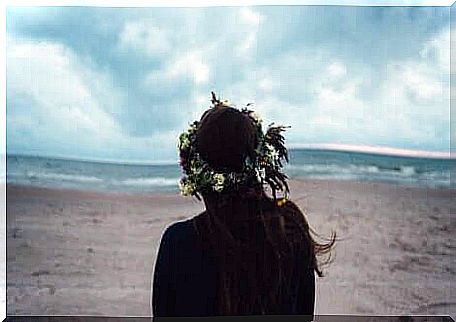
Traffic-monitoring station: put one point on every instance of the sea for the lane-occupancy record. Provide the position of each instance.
(164, 177)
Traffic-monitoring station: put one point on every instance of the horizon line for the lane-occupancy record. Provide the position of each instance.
(96, 160)
(378, 150)
(382, 150)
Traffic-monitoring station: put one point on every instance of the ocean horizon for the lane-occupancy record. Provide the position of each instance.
(109, 175)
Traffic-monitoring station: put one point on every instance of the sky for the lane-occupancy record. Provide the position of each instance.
(122, 83)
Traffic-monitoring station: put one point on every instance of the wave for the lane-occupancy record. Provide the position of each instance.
(157, 181)
(62, 179)
(399, 174)
(351, 168)
(36, 176)
(408, 170)
(331, 169)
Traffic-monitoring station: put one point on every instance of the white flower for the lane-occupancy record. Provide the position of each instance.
(269, 147)
(255, 116)
(192, 127)
(186, 188)
(226, 103)
(260, 174)
(219, 179)
(271, 152)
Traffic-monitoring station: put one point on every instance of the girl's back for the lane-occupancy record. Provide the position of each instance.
(186, 278)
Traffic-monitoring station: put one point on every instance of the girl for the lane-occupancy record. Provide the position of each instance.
(248, 253)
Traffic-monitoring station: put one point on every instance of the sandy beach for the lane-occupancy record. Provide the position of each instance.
(91, 253)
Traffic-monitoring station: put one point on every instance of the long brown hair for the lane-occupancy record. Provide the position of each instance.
(252, 238)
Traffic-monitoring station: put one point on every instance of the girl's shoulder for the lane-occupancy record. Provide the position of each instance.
(179, 230)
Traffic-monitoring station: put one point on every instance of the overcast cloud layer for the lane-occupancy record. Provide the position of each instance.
(119, 83)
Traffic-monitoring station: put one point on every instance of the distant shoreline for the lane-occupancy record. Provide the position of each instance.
(400, 153)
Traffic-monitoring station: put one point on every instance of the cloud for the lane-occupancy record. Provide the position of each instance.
(323, 97)
(337, 69)
(190, 66)
(123, 82)
(416, 95)
(62, 93)
(252, 21)
(250, 17)
(144, 36)
(56, 105)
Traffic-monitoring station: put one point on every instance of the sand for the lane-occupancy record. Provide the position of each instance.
(92, 253)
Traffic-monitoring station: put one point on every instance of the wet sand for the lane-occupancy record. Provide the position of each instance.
(91, 253)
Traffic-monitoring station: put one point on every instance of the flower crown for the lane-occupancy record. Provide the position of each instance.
(264, 167)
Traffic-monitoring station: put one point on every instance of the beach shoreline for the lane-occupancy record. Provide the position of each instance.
(92, 252)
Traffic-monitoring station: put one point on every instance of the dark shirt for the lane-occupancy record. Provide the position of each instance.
(184, 282)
